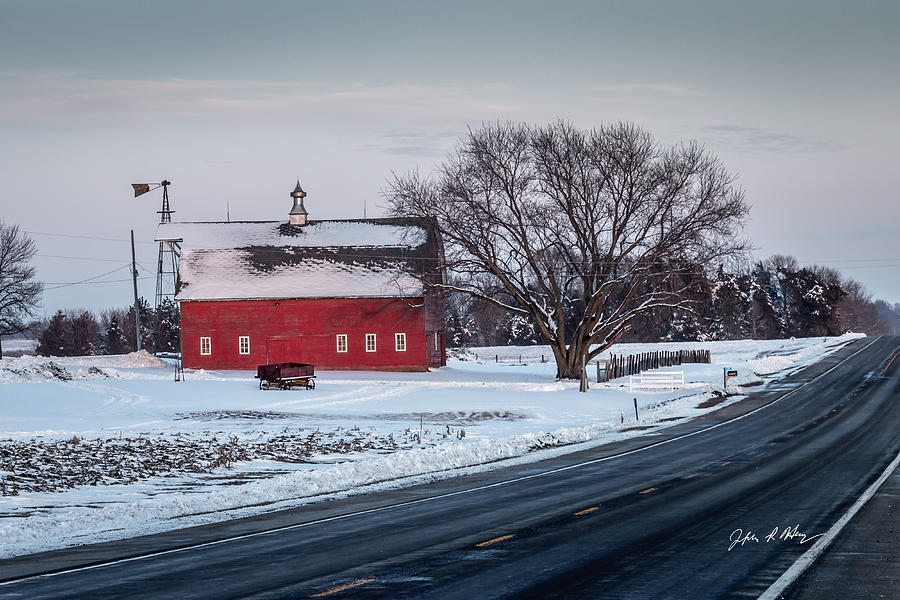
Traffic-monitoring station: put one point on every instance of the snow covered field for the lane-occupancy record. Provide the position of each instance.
(107, 447)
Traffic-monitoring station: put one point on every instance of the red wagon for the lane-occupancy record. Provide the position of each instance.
(284, 376)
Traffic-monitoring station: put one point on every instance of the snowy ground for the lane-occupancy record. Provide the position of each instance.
(100, 448)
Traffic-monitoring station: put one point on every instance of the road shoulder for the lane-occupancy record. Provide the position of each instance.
(862, 561)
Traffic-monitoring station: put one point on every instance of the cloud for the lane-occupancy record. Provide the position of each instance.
(418, 143)
(643, 89)
(754, 139)
(64, 96)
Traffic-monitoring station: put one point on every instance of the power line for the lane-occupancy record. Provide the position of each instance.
(58, 285)
(96, 282)
(86, 237)
(115, 260)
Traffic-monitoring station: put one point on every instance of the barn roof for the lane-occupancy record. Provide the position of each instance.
(323, 259)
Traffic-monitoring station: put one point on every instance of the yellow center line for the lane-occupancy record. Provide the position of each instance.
(647, 491)
(502, 538)
(727, 462)
(587, 510)
(341, 588)
(802, 429)
(691, 475)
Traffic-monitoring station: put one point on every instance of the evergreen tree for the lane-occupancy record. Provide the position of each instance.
(56, 339)
(814, 298)
(521, 331)
(691, 322)
(147, 322)
(167, 336)
(85, 334)
(730, 306)
(115, 341)
(767, 322)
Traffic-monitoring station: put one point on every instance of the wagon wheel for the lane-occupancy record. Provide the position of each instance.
(311, 384)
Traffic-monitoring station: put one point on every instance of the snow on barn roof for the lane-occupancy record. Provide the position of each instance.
(242, 260)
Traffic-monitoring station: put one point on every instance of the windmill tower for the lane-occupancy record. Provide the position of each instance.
(169, 250)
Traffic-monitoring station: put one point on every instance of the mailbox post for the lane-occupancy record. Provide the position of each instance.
(726, 373)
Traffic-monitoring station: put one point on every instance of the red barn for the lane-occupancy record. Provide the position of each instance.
(340, 294)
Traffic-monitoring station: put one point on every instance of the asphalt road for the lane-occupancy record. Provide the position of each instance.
(863, 561)
(652, 517)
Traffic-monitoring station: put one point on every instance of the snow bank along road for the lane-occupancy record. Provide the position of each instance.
(721, 506)
(146, 455)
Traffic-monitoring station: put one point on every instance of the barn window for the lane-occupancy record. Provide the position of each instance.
(437, 341)
(342, 342)
(205, 346)
(370, 342)
(244, 344)
(400, 342)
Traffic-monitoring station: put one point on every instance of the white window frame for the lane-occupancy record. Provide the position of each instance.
(205, 340)
(341, 337)
(241, 340)
(399, 342)
(371, 337)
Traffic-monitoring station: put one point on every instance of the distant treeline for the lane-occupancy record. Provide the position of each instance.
(112, 331)
(774, 298)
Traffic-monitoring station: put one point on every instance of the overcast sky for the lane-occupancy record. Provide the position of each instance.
(232, 101)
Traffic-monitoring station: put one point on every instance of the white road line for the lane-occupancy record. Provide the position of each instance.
(437, 497)
(810, 556)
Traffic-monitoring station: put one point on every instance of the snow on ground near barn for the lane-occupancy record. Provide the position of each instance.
(100, 448)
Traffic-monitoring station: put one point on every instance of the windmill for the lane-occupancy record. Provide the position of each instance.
(167, 265)
(169, 250)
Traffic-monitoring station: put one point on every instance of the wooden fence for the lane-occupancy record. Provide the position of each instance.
(632, 364)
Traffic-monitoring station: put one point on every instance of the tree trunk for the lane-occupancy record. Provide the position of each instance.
(568, 360)
(572, 372)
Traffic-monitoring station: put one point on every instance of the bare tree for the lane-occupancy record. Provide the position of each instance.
(858, 310)
(19, 291)
(557, 219)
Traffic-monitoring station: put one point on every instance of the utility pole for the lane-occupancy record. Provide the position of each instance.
(137, 304)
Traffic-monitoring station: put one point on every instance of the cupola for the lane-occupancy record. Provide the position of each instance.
(298, 214)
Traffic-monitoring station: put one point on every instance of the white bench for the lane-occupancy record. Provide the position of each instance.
(657, 380)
